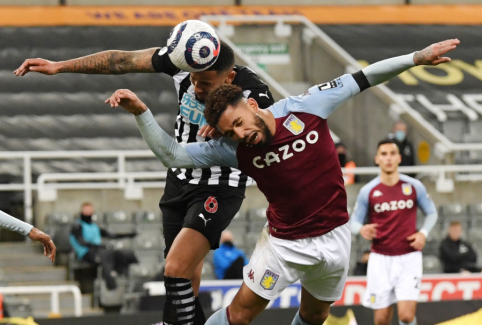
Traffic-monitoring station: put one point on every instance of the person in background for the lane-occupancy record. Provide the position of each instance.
(348, 178)
(362, 265)
(228, 260)
(399, 135)
(86, 240)
(456, 254)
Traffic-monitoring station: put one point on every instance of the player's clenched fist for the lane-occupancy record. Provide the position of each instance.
(369, 231)
(37, 65)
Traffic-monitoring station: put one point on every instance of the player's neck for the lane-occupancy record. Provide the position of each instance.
(389, 179)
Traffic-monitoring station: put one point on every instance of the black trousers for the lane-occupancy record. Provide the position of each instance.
(111, 260)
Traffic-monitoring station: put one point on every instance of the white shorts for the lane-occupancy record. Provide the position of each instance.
(320, 263)
(392, 278)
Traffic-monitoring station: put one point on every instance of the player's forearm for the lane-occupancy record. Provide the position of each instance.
(13, 224)
(429, 223)
(110, 62)
(169, 152)
(385, 70)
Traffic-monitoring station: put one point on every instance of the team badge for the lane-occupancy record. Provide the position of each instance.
(211, 205)
(269, 280)
(372, 299)
(294, 124)
(407, 188)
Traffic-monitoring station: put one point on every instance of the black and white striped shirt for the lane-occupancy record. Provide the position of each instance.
(190, 118)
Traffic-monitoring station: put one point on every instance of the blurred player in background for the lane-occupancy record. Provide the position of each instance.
(13, 224)
(216, 193)
(390, 202)
(287, 149)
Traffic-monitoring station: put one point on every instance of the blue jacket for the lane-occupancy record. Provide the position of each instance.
(224, 256)
(83, 235)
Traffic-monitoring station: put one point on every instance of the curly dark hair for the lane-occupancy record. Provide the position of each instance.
(219, 100)
(225, 60)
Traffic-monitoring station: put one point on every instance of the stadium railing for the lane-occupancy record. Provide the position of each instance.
(134, 182)
(54, 295)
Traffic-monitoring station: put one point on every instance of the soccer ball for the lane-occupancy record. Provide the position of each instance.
(193, 46)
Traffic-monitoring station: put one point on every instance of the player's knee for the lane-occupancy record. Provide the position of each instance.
(405, 317)
(239, 317)
(382, 319)
(176, 269)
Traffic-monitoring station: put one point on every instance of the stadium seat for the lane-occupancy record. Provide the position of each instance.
(141, 273)
(109, 298)
(148, 221)
(121, 243)
(120, 223)
(58, 227)
(431, 264)
(18, 306)
(257, 219)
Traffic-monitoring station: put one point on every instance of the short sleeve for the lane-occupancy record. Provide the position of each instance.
(220, 152)
(262, 95)
(162, 63)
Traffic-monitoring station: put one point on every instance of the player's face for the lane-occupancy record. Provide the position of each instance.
(243, 124)
(388, 157)
(205, 82)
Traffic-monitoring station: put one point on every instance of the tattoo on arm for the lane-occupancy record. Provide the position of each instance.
(112, 62)
(420, 57)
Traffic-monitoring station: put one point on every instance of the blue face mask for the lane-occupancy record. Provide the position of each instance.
(400, 135)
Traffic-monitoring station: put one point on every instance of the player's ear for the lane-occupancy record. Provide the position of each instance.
(399, 160)
(376, 159)
(230, 77)
(253, 104)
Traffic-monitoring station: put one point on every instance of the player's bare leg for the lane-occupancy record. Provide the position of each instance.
(183, 265)
(245, 307)
(312, 310)
(196, 278)
(406, 312)
(383, 316)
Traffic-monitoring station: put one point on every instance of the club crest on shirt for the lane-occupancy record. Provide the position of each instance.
(294, 124)
(407, 188)
(269, 279)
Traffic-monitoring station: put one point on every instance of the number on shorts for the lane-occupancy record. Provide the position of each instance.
(417, 282)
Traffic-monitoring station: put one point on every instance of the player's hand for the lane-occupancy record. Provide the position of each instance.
(49, 246)
(38, 65)
(432, 55)
(417, 240)
(209, 131)
(128, 100)
(369, 231)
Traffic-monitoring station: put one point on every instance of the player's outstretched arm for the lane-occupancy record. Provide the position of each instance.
(431, 55)
(169, 152)
(106, 62)
(13, 224)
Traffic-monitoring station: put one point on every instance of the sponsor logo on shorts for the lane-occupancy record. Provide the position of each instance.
(204, 218)
(211, 205)
(406, 188)
(269, 280)
(294, 124)
(373, 299)
(251, 275)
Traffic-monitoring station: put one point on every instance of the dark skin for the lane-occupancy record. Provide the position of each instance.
(46, 241)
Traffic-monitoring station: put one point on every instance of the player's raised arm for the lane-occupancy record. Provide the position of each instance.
(13, 224)
(106, 62)
(323, 99)
(169, 152)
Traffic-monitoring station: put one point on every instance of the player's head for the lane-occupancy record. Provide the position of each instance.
(388, 156)
(221, 72)
(455, 230)
(237, 117)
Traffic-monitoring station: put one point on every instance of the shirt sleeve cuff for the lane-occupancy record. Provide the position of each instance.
(424, 232)
(145, 118)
